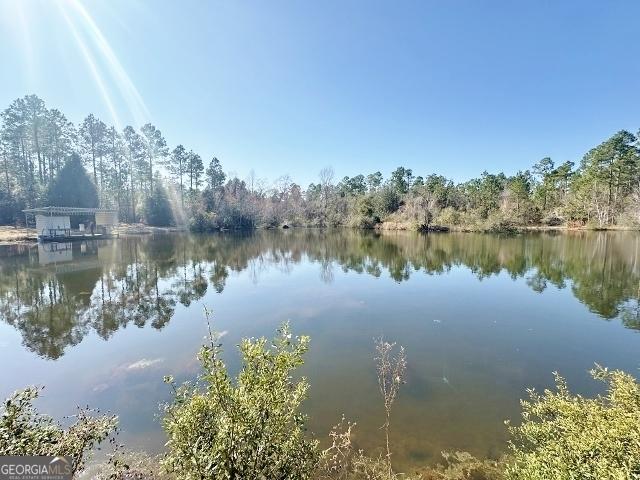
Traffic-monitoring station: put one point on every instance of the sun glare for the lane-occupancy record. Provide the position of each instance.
(115, 68)
(20, 17)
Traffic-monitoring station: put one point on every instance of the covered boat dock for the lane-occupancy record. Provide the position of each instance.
(53, 224)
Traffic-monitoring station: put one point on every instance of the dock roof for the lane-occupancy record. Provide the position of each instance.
(68, 211)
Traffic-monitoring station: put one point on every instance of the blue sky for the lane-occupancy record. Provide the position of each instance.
(288, 87)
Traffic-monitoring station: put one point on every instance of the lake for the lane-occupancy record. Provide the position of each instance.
(482, 318)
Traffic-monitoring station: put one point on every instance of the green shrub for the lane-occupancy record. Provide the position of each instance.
(552, 220)
(448, 216)
(387, 201)
(496, 223)
(364, 213)
(201, 221)
(565, 436)
(249, 427)
(362, 222)
(23, 431)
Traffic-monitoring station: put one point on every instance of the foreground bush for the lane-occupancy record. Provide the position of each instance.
(249, 427)
(565, 436)
(23, 431)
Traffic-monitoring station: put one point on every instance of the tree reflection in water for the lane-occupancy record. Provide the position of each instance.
(56, 295)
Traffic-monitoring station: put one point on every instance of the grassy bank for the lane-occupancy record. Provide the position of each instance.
(13, 235)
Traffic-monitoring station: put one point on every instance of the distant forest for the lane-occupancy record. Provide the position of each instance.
(136, 172)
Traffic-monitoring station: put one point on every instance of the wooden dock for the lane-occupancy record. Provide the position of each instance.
(75, 237)
(53, 224)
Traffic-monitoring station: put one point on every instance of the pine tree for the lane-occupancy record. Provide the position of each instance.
(92, 137)
(155, 148)
(72, 186)
(215, 175)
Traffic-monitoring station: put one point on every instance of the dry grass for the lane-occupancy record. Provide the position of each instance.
(12, 235)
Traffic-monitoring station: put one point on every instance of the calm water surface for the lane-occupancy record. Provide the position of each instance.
(482, 317)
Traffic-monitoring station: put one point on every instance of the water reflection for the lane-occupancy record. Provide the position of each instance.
(55, 294)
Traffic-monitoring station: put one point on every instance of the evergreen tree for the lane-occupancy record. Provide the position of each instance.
(135, 159)
(72, 187)
(35, 113)
(374, 180)
(401, 179)
(215, 175)
(59, 140)
(8, 208)
(177, 167)
(117, 171)
(195, 169)
(607, 175)
(155, 148)
(158, 208)
(92, 137)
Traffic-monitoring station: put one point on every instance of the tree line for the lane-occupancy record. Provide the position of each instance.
(135, 171)
(36, 143)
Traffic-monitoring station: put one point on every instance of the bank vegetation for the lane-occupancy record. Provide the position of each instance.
(135, 171)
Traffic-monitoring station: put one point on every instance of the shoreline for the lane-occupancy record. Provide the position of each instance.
(11, 235)
(515, 229)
